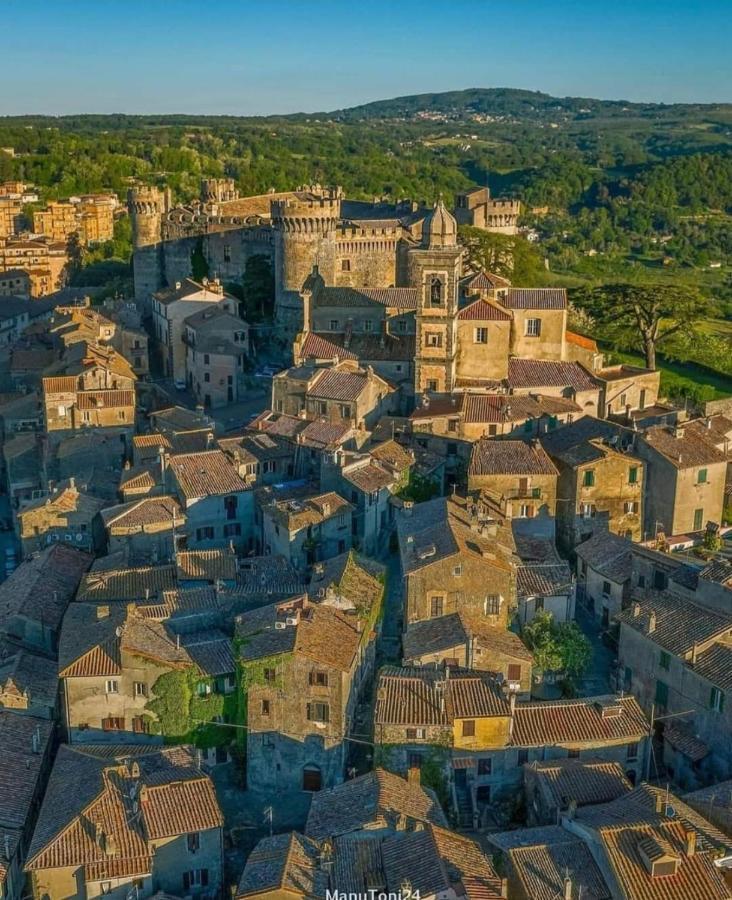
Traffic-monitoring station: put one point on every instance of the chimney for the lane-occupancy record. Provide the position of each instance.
(636, 610)
(408, 507)
(660, 804)
(567, 885)
(103, 611)
(572, 810)
(690, 842)
(414, 775)
(694, 653)
(651, 621)
(72, 482)
(504, 888)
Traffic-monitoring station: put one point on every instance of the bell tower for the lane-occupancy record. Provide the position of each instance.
(434, 268)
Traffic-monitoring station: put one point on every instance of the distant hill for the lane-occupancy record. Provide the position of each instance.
(513, 103)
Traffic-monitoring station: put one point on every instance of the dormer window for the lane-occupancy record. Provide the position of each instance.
(658, 857)
(436, 292)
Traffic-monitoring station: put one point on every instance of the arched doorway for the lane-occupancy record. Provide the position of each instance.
(312, 779)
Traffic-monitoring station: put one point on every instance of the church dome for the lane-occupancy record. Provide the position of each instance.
(440, 227)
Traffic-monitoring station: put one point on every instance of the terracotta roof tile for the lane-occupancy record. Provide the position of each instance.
(678, 625)
(578, 721)
(482, 311)
(538, 373)
(535, 298)
(582, 780)
(491, 457)
(206, 473)
(397, 298)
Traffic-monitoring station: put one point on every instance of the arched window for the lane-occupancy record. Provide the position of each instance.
(436, 291)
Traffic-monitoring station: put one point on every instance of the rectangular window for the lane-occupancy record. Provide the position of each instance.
(701, 476)
(402, 325)
(265, 707)
(587, 510)
(206, 359)
(319, 679)
(113, 723)
(633, 475)
(480, 336)
(573, 754)
(195, 878)
(606, 588)
(588, 478)
(345, 411)
(436, 606)
(232, 530)
(193, 841)
(698, 519)
(457, 571)
(368, 325)
(111, 686)
(318, 712)
(432, 339)
(661, 694)
(345, 265)
(469, 728)
(514, 672)
(140, 725)
(452, 425)
(485, 766)
(334, 324)
(492, 605)
(270, 675)
(139, 688)
(630, 507)
(432, 385)
(492, 430)
(523, 756)
(716, 700)
(323, 408)
(533, 327)
(631, 752)
(664, 660)
(415, 734)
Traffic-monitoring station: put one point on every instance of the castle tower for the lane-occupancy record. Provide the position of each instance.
(147, 206)
(304, 236)
(218, 190)
(434, 268)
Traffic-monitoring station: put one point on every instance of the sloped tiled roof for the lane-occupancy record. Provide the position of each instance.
(133, 583)
(682, 447)
(376, 799)
(482, 311)
(206, 473)
(543, 579)
(538, 373)
(207, 565)
(514, 407)
(147, 511)
(608, 554)
(535, 298)
(492, 457)
(332, 384)
(398, 298)
(582, 780)
(577, 722)
(679, 624)
(284, 862)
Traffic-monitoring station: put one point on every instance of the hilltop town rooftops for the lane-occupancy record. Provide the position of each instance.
(683, 447)
(128, 583)
(214, 564)
(490, 457)
(423, 697)
(367, 347)
(392, 454)
(675, 624)
(485, 281)
(445, 632)
(333, 384)
(394, 298)
(375, 800)
(514, 407)
(572, 722)
(483, 311)
(543, 579)
(315, 631)
(42, 586)
(147, 511)
(369, 477)
(188, 289)
(206, 473)
(535, 298)
(175, 798)
(296, 514)
(537, 373)
(347, 581)
(286, 863)
(582, 780)
(269, 575)
(541, 859)
(608, 554)
(27, 674)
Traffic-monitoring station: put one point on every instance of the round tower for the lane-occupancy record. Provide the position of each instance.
(147, 206)
(305, 226)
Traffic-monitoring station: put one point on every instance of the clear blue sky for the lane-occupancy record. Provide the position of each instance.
(220, 56)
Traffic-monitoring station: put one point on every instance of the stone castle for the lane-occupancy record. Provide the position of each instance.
(354, 244)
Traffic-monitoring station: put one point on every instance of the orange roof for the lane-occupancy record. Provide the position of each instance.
(581, 341)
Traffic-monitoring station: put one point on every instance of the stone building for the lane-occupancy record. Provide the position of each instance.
(11, 216)
(171, 308)
(523, 480)
(476, 207)
(113, 823)
(340, 393)
(64, 514)
(675, 657)
(90, 217)
(146, 528)
(92, 387)
(471, 726)
(218, 503)
(15, 283)
(309, 529)
(685, 480)
(303, 671)
(601, 485)
(604, 570)
(44, 261)
(217, 345)
(452, 559)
